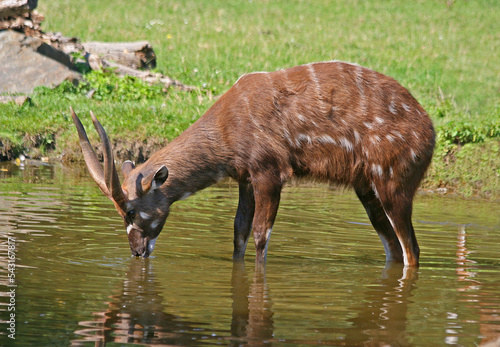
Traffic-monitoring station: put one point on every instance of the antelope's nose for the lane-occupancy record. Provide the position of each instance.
(140, 253)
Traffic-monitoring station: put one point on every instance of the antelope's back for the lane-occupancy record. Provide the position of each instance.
(332, 120)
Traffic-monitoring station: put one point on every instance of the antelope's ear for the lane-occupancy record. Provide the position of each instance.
(127, 167)
(160, 177)
(155, 181)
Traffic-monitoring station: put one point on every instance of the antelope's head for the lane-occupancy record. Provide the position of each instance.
(139, 201)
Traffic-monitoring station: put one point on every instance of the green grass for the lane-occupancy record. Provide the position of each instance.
(469, 170)
(445, 52)
(435, 50)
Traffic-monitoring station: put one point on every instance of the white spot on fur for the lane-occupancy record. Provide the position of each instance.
(389, 137)
(391, 172)
(144, 215)
(129, 228)
(155, 224)
(336, 109)
(325, 139)
(357, 138)
(415, 134)
(368, 125)
(375, 139)
(413, 155)
(406, 107)
(392, 107)
(151, 245)
(365, 152)
(314, 78)
(377, 170)
(304, 138)
(286, 135)
(398, 134)
(379, 120)
(301, 117)
(346, 144)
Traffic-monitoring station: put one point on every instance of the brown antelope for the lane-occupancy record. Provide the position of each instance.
(332, 121)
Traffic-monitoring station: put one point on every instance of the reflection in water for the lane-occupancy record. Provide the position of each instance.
(380, 320)
(137, 314)
(382, 316)
(71, 250)
(252, 320)
(472, 292)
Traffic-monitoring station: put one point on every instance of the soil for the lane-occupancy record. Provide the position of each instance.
(135, 151)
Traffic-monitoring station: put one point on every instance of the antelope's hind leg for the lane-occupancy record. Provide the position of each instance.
(243, 220)
(382, 225)
(397, 204)
(267, 193)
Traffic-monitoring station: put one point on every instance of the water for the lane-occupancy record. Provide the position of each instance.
(324, 284)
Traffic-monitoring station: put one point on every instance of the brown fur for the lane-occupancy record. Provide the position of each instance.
(331, 121)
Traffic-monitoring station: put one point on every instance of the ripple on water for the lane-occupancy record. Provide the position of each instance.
(325, 281)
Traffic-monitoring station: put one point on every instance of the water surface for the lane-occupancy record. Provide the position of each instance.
(324, 284)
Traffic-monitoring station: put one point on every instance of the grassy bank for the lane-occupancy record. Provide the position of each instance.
(445, 53)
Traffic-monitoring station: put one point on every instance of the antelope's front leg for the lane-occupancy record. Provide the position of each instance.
(267, 194)
(243, 220)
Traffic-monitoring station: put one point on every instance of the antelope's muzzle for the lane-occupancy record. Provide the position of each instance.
(140, 246)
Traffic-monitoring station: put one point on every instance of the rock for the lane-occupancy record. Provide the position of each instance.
(18, 99)
(28, 62)
(11, 8)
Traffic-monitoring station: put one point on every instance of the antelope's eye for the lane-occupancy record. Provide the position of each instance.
(131, 214)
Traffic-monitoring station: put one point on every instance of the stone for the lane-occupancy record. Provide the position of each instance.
(12, 8)
(17, 99)
(28, 62)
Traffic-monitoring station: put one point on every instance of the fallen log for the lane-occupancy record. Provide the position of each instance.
(146, 76)
(137, 55)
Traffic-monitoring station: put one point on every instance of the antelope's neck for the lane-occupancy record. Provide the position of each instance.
(195, 160)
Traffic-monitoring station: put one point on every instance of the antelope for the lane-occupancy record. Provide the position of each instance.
(330, 121)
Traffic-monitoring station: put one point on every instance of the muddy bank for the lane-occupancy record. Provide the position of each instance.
(37, 147)
(471, 171)
(137, 152)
